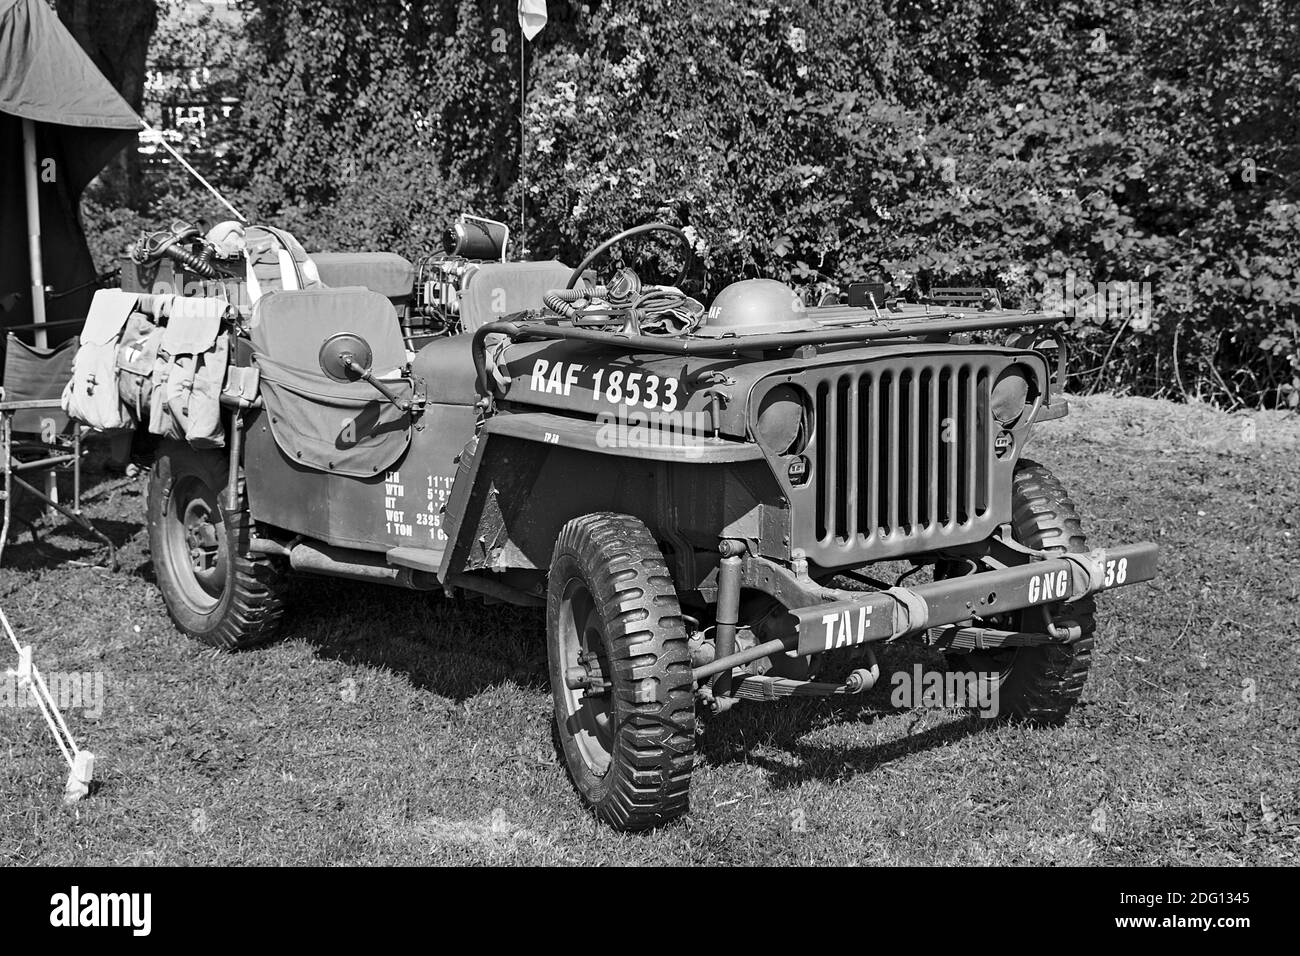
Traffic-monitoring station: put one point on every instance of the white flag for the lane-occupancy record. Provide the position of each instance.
(532, 17)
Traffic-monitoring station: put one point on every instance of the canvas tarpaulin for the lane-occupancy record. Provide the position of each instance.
(81, 122)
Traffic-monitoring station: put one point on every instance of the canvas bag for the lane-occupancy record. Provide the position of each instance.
(193, 351)
(91, 395)
(137, 358)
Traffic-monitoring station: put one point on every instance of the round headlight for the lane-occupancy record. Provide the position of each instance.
(1010, 395)
(781, 420)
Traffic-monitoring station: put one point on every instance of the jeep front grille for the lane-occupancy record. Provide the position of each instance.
(901, 455)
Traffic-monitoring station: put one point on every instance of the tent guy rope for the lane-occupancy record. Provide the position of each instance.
(81, 763)
(162, 140)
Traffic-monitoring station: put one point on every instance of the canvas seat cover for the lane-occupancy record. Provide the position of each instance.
(383, 272)
(499, 288)
(346, 428)
(276, 260)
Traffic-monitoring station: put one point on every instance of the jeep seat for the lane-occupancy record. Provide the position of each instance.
(346, 428)
(387, 273)
(499, 288)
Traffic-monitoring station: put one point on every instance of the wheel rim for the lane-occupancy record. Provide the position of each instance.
(198, 554)
(588, 716)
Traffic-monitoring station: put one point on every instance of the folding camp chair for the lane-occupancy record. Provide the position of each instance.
(36, 437)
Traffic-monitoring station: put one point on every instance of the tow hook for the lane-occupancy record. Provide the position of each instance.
(1066, 631)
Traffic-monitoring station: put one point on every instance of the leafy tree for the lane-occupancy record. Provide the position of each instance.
(1033, 146)
(369, 122)
(116, 37)
(193, 56)
(201, 58)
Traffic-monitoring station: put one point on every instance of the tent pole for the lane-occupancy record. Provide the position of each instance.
(34, 230)
(38, 272)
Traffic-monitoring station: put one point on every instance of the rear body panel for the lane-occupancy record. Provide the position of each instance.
(401, 507)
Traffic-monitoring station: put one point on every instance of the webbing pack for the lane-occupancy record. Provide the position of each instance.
(160, 361)
(91, 395)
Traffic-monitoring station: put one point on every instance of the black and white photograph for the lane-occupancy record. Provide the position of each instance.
(505, 434)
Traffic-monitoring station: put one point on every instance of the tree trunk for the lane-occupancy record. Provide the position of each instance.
(116, 34)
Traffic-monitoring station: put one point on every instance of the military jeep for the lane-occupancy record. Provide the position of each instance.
(702, 499)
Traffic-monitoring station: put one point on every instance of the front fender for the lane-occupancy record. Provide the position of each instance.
(525, 474)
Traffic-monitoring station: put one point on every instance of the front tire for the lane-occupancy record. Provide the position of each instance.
(613, 623)
(214, 589)
(1042, 683)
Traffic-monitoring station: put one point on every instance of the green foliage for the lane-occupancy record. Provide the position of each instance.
(368, 123)
(1013, 143)
(194, 57)
(199, 58)
(111, 229)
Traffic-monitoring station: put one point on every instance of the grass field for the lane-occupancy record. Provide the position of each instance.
(393, 728)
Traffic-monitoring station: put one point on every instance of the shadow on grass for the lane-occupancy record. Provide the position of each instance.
(461, 649)
(50, 545)
(455, 648)
(38, 542)
(808, 762)
(741, 735)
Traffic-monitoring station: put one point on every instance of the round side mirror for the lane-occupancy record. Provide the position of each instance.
(345, 357)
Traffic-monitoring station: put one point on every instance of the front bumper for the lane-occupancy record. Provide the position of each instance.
(901, 612)
(828, 619)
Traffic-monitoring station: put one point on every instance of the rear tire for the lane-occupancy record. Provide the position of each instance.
(612, 615)
(1040, 684)
(215, 590)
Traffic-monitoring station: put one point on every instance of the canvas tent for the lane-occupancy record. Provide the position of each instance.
(61, 121)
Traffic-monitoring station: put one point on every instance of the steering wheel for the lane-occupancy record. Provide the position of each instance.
(628, 234)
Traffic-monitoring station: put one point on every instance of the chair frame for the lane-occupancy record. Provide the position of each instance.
(14, 468)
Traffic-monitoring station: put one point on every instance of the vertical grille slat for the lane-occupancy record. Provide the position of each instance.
(832, 473)
(852, 470)
(824, 465)
(892, 514)
(983, 433)
(935, 426)
(873, 456)
(846, 440)
(915, 431)
(952, 425)
(971, 431)
(902, 453)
